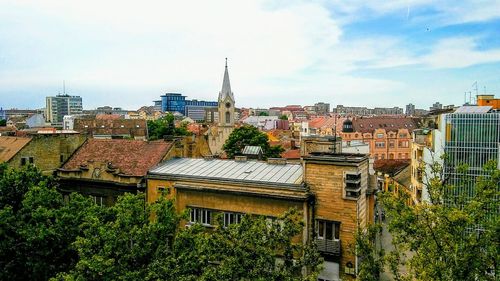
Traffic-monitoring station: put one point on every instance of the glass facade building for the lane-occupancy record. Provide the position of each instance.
(472, 139)
(194, 109)
(173, 102)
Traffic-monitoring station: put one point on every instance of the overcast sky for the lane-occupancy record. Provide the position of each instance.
(128, 53)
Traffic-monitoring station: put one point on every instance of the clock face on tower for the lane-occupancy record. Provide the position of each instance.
(228, 104)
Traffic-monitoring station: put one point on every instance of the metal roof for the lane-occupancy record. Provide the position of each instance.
(473, 109)
(246, 171)
(252, 150)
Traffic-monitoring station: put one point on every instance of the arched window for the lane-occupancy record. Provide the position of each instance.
(228, 117)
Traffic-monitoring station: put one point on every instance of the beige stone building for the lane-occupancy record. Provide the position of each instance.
(47, 150)
(332, 191)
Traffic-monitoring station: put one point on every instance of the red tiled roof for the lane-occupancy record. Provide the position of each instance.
(368, 125)
(107, 117)
(390, 166)
(131, 157)
(291, 154)
(10, 146)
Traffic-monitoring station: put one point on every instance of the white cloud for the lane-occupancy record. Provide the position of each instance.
(130, 52)
(458, 53)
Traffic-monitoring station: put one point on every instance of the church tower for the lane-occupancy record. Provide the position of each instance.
(226, 102)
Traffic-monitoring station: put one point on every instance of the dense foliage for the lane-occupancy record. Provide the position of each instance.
(3, 123)
(37, 228)
(250, 135)
(165, 126)
(448, 238)
(44, 237)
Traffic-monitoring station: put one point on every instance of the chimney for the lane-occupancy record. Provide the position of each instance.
(240, 158)
(276, 161)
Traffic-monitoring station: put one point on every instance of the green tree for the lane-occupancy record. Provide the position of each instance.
(283, 117)
(254, 249)
(250, 135)
(124, 243)
(371, 257)
(263, 113)
(37, 227)
(447, 238)
(165, 126)
(3, 123)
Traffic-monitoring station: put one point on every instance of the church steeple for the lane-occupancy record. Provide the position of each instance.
(226, 102)
(226, 86)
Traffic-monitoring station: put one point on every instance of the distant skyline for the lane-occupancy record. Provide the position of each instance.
(355, 53)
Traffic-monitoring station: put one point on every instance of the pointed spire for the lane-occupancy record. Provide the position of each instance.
(226, 86)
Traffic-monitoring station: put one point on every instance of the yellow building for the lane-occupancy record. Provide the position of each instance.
(400, 182)
(330, 190)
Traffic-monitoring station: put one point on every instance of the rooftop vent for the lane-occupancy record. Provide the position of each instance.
(208, 157)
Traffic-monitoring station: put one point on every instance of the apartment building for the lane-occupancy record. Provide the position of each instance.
(331, 190)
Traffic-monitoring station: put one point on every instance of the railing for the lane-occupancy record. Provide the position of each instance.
(328, 246)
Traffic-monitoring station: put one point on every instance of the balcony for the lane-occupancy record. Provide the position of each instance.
(331, 247)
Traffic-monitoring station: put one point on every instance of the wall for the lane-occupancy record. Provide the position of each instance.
(47, 151)
(326, 181)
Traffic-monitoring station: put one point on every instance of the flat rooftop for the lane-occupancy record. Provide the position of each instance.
(232, 170)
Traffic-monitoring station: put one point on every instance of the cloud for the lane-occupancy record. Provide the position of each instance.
(127, 53)
(459, 53)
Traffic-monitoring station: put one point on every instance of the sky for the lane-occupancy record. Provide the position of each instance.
(354, 53)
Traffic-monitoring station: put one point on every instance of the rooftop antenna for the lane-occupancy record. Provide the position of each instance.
(64, 87)
(474, 87)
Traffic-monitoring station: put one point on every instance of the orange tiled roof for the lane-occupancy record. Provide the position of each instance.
(368, 125)
(131, 157)
(291, 154)
(10, 146)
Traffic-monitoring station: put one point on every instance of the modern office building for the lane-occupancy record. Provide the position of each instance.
(195, 109)
(172, 102)
(59, 106)
(472, 137)
(176, 102)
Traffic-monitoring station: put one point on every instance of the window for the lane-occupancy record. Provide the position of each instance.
(328, 230)
(99, 200)
(382, 156)
(391, 155)
(391, 144)
(26, 160)
(352, 187)
(380, 144)
(380, 136)
(399, 155)
(202, 216)
(231, 218)
(61, 158)
(406, 155)
(402, 136)
(163, 190)
(403, 144)
(228, 117)
(376, 156)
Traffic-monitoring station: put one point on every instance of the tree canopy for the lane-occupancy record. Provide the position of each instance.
(250, 135)
(447, 238)
(43, 236)
(165, 126)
